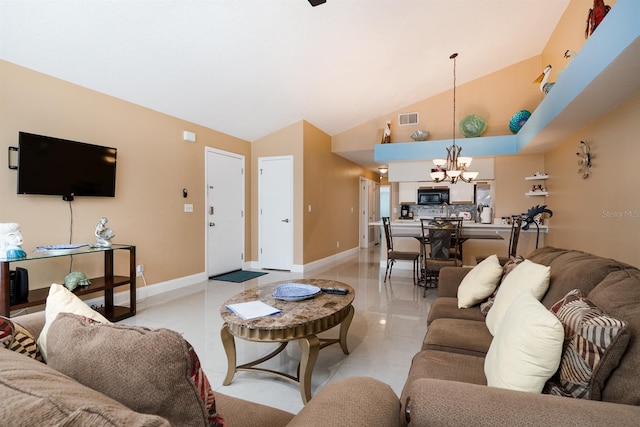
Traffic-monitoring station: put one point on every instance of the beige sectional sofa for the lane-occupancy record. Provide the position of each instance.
(447, 385)
(99, 379)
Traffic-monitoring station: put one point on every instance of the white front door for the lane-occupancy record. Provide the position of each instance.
(275, 210)
(225, 211)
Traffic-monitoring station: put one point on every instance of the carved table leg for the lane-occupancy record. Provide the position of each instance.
(344, 328)
(229, 344)
(310, 346)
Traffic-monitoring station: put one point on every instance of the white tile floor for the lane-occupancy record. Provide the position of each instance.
(387, 330)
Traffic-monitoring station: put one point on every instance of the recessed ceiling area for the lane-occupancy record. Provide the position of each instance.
(249, 68)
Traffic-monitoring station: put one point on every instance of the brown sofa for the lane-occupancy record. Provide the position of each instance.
(446, 385)
(33, 393)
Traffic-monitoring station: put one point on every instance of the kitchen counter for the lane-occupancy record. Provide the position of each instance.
(408, 225)
(405, 229)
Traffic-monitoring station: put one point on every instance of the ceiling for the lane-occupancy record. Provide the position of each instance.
(248, 68)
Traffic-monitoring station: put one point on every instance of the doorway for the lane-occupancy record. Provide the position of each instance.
(275, 212)
(224, 211)
(369, 212)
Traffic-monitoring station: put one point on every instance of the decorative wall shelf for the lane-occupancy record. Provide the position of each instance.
(601, 76)
(536, 177)
(536, 193)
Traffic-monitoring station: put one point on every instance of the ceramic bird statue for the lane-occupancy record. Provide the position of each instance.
(595, 16)
(543, 78)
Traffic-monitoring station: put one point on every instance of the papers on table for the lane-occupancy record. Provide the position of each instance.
(252, 309)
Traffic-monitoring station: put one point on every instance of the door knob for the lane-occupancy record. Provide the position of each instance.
(285, 220)
(212, 224)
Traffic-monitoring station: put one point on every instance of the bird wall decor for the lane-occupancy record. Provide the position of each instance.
(584, 159)
(595, 16)
(545, 85)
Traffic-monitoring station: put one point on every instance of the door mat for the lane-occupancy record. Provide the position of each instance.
(238, 276)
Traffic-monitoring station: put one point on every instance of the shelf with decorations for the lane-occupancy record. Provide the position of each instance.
(537, 189)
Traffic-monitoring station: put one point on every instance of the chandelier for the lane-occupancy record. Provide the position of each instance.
(454, 167)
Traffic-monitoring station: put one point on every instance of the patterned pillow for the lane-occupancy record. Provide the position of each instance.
(152, 371)
(506, 269)
(594, 345)
(15, 337)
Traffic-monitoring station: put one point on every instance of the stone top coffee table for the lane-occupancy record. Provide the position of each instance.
(299, 320)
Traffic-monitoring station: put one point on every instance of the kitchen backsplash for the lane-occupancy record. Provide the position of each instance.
(430, 211)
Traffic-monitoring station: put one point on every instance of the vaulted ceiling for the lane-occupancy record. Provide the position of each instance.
(250, 67)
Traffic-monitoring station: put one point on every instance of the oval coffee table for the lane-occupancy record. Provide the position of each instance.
(299, 320)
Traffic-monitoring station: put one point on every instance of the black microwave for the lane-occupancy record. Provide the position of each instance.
(433, 196)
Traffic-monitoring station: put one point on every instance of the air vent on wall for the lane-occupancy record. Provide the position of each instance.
(405, 119)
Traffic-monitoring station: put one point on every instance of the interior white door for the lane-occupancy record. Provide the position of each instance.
(225, 211)
(275, 200)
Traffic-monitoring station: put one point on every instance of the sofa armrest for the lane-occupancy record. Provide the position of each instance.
(450, 403)
(353, 401)
(32, 322)
(449, 280)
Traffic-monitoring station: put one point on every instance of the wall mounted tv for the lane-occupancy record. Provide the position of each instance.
(55, 166)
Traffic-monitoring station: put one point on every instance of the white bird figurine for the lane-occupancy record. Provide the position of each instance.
(545, 87)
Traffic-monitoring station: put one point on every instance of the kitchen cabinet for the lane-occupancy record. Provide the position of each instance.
(462, 193)
(408, 193)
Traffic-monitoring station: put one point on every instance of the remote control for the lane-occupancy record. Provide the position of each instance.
(338, 291)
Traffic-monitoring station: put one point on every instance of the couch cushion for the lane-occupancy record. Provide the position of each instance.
(572, 269)
(15, 338)
(153, 371)
(348, 402)
(34, 394)
(591, 338)
(480, 282)
(61, 300)
(527, 348)
(458, 336)
(443, 365)
(619, 296)
(447, 308)
(240, 412)
(506, 269)
(525, 276)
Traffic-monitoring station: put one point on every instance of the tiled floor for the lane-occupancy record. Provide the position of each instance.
(387, 330)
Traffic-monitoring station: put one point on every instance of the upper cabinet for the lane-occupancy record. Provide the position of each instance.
(602, 75)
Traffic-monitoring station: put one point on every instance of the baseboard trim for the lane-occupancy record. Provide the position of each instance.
(301, 268)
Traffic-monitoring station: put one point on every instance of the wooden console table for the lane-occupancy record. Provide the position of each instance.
(104, 284)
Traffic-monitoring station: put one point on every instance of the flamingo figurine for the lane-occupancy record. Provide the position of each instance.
(545, 86)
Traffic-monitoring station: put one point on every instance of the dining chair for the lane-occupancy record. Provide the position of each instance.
(456, 222)
(516, 224)
(442, 237)
(393, 255)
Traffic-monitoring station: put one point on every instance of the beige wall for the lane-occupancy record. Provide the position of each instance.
(154, 165)
(284, 142)
(331, 187)
(326, 181)
(495, 98)
(600, 214)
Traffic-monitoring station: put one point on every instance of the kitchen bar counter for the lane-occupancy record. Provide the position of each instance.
(404, 230)
(409, 225)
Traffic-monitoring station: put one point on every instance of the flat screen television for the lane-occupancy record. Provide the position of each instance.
(56, 166)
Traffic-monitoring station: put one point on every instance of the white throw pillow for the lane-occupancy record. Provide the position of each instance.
(480, 282)
(61, 300)
(527, 275)
(527, 350)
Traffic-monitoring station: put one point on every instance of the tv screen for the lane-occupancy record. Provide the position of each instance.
(55, 166)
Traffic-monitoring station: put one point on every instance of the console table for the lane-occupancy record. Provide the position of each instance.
(104, 284)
